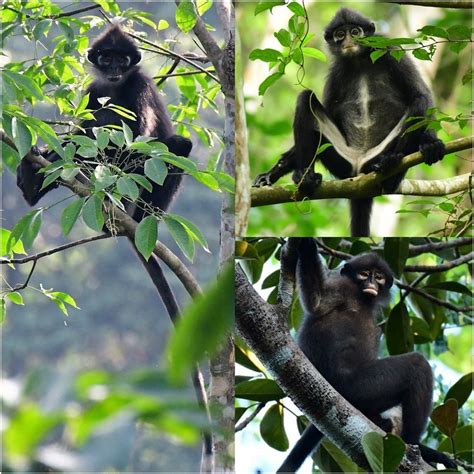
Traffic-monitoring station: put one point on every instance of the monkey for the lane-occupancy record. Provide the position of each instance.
(114, 56)
(363, 116)
(340, 337)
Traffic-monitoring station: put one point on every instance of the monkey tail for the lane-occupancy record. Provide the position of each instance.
(155, 271)
(361, 210)
(303, 448)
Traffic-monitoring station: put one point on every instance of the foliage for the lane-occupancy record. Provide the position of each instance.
(412, 322)
(447, 37)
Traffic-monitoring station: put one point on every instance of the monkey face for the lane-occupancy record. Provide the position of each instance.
(344, 38)
(371, 281)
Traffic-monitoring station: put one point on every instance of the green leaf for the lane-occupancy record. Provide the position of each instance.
(397, 54)
(181, 236)
(270, 80)
(92, 213)
(27, 85)
(463, 438)
(284, 37)
(384, 453)
(127, 133)
(192, 229)
(445, 417)
(18, 230)
(33, 228)
(70, 215)
(248, 359)
(51, 178)
(3, 315)
(436, 31)
(156, 170)
(461, 390)
(268, 55)
(421, 54)
(398, 331)
(272, 428)
(21, 136)
(207, 321)
(104, 177)
(459, 32)
(395, 252)
(297, 9)
(16, 247)
(186, 16)
(377, 54)
(15, 298)
(259, 390)
(142, 181)
(265, 5)
(314, 53)
(162, 25)
(272, 280)
(126, 186)
(103, 137)
(146, 235)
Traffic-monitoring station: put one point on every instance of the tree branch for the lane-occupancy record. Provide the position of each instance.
(261, 328)
(37, 256)
(247, 420)
(415, 250)
(436, 3)
(433, 299)
(442, 267)
(370, 185)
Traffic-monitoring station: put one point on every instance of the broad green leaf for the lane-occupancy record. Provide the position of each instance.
(398, 331)
(70, 215)
(17, 248)
(377, 54)
(88, 151)
(126, 186)
(186, 16)
(146, 235)
(384, 453)
(193, 229)
(461, 390)
(284, 37)
(397, 54)
(33, 228)
(270, 80)
(117, 138)
(314, 53)
(142, 181)
(436, 31)
(453, 286)
(248, 359)
(421, 54)
(18, 230)
(259, 390)
(463, 439)
(51, 178)
(103, 137)
(267, 5)
(25, 84)
(445, 417)
(156, 170)
(21, 136)
(83, 140)
(459, 32)
(181, 236)
(272, 428)
(162, 25)
(127, 133)
(297, 9)
(395, 251)
(104, 177)
(15, 297)
(271, 280)
(207, 321)
(3, 315)
(92, 213)
(268, 55)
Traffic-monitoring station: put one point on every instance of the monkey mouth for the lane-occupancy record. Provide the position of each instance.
(114, 78)
(371, 291)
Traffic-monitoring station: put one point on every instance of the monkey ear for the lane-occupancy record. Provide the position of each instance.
(92, 55)
(371, 29)
(327, 36)
(135, 58)
(345, 269)
(389, 281)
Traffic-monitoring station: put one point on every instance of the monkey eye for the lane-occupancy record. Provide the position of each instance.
(356, 32)
(124, 60)
(339, 35)
(380, 278)
(363, 275)
(104, 60)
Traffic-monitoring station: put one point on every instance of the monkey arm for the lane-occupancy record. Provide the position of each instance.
(309, 274)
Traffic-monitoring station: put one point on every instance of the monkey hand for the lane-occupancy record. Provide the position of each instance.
(264, 179)
(307, 181)
(178, 145)
(383, 162)
(432, 149)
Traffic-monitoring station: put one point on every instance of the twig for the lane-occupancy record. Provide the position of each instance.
(433, 299)
(334, 253)
(247, 420)
(177, 74)
(436, 3)
(36, 257)
(442, 267)
(24, 285)
(74, 12)
(415, 250)
(170, 70)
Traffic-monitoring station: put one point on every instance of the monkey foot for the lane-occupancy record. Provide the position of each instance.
(307, 181)
(264, 179)
(432, 151)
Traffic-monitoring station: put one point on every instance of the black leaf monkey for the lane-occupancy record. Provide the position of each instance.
(363, 116)
(340, 336)
(115, 57)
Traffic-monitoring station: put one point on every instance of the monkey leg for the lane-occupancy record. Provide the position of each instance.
(283, 166)
(406, 379)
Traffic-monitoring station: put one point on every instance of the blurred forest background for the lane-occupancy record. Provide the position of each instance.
(122, 326)
(269, 118)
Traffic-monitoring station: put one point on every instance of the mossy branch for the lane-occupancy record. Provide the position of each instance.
(370, 185)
